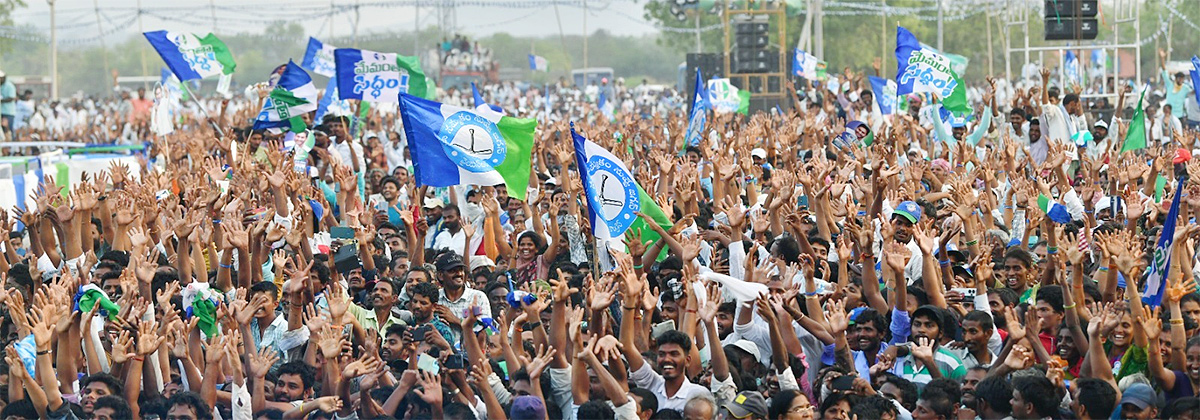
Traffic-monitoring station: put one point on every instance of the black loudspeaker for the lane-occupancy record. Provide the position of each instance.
(710, 65)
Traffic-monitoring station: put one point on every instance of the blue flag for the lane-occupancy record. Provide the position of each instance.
(698, 114)
(327, 99)
(459, 146)
(606, 107)
(318, 58)
(885, 94)
(1195, 76)
(480, 105)
(294, 95)
(1071, 67)
(190, 56)
(1160, 264)
(379, 77)
(924, 70)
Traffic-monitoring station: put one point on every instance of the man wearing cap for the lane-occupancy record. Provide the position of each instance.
(1139, 401)
(1100, 141)
(455, 296)
(748, 405)
(8, 103)
(759, 155)
(928, 322)
(432, 206)
(904, 217)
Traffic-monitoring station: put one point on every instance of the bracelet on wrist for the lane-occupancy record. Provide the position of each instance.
(972, 243)
(629, 308)
(944, 263)
(43, 352)
(1071, 306)
(1177, 321)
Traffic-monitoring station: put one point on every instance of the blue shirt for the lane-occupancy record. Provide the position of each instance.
(8, 91)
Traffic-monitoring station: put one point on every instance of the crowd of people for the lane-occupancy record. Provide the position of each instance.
(825, 261)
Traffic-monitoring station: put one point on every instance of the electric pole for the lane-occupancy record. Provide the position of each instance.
(939, 6)
(53, 53)
(100, 29)
(143, 45)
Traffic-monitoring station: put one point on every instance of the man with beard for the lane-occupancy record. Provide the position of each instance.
(451, 235)
(1099, 139)
(393, 344)
(433, 220)
(865, 338)
(422, 305)
(904, 217)
(351, 153)
(383, 296)
(294, 384)
(670, 383)
(978, 332)
(974, 376)
(1038, 147)
(925, 359)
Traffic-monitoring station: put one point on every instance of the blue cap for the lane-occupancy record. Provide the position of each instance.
(1140, 395)
(910, 210)
(854, 313)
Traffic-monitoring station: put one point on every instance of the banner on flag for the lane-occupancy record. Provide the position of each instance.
(614, 197)
(538, 63)
(605, 106)
(1160, 263)
(294, 95)
(458, 146)
(807, 65)
(723, 96)
(923, 70)
(885, 94)
(378, 77)
(191, 57)
(318, 58)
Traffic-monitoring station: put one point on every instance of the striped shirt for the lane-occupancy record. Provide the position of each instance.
(950, 365)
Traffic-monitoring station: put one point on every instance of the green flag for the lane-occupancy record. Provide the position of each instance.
(1135, 138)
(418, 84)
(743, 102)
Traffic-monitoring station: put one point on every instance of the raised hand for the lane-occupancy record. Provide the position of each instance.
(430, 388)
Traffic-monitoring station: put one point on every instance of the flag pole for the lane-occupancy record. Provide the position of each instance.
(216, 127)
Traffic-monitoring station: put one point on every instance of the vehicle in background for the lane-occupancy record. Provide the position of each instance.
(591, 76)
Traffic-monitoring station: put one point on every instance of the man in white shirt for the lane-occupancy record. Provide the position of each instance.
(670, 383)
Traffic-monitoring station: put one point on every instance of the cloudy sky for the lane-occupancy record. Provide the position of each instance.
(77, 18)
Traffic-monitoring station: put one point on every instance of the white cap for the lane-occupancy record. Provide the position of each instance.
(748, 346)
(759, 152)
(481, 261)
(1105, 203)
(3, 74)
(433, 203)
